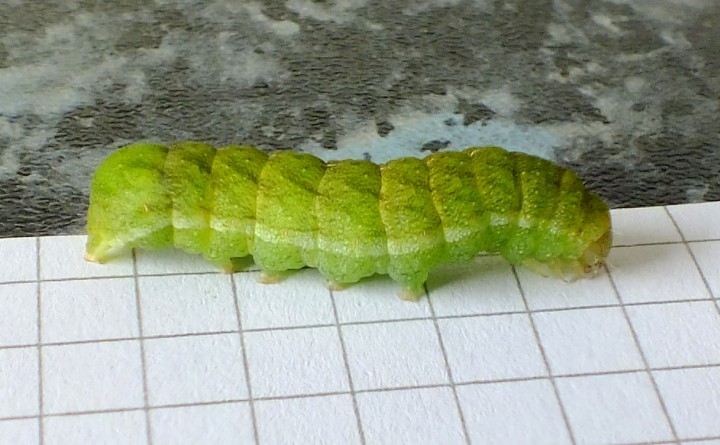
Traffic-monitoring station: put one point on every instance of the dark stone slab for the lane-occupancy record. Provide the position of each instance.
(625, 93)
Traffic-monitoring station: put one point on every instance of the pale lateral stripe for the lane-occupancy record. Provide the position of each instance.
(404, 248)
(353, 249)
(228, 225)
(301, 240)
(295, 238)
(181, 222)
(455, 234)
(118, 245)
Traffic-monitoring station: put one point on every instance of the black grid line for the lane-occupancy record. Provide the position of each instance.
(310, 395)
(448, 369)
(700, 240)
(368, 390)
(548, 369)
(654, 243)
(361, 322)
(143, 357)
(10, 419)
(142, 275)
(644, 359)
(346, 362)
(25, 417)
(698, 439)
(147, 408)
(676, 208)
(713, 296)
(41, 386)
(695, 261)
(251, 402)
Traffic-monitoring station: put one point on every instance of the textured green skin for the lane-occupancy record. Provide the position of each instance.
(349, 219)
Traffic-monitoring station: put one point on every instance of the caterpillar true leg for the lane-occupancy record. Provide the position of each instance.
(335, 286)
(235, 264)
(272, 277)
(411, 293)
(349, 219)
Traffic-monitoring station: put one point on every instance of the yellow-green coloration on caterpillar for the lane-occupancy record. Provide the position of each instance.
(349, 219)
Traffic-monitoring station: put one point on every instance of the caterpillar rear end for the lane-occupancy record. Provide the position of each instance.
(349, 219)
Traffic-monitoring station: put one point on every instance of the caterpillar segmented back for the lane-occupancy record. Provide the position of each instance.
(350, 219)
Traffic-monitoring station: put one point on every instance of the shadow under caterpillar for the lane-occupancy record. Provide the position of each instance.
(349, 219)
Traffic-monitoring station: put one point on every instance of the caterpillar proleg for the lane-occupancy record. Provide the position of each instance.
(349, 219)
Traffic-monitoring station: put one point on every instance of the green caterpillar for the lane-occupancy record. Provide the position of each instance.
(349, 219)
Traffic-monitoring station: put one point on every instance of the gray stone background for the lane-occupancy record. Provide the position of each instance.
(625, 92)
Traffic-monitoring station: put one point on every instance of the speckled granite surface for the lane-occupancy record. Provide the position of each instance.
(625, 92)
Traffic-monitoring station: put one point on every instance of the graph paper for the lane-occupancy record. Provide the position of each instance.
(159, 348)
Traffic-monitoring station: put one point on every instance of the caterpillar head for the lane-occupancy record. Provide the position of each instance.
(594, 256)
(587, 265)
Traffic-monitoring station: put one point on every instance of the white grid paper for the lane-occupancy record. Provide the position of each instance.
(140, 351)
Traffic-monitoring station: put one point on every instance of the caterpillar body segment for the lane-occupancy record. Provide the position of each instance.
(349, 219)
(129, 203)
